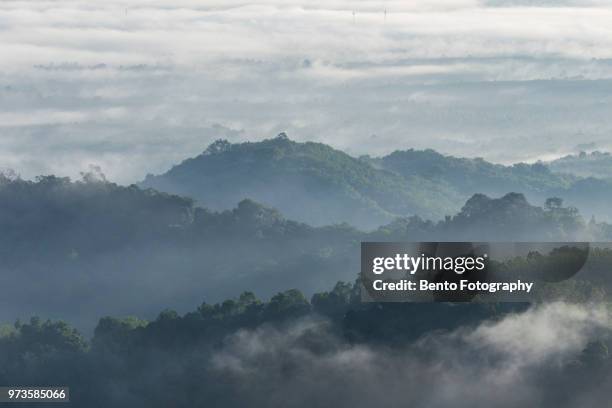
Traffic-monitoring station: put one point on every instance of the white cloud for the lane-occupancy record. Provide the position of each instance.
(520, 359)
(438, 74)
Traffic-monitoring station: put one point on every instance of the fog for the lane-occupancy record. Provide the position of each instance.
(135, 86)
(521, 359)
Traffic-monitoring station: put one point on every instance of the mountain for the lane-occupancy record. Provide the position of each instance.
(508, 218)
(308, 182)
(183, 361)
(463, 177)
(250, 352)
(114, 250)
(319, 185)
(469, 176)
(595, 164)
(80, 250)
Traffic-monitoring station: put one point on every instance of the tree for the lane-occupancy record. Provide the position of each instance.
(288, 304)
(553, 203)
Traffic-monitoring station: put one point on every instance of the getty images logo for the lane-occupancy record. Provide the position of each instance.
(467, 271)
(413, 264)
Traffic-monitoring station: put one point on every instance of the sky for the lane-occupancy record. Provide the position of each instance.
(137, 86)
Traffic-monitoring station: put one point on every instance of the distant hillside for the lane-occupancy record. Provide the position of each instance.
(595, 164)
(508, 218)
(464, 177)
(115, 250)
(314, 183)
(470, 176)
(309, 182)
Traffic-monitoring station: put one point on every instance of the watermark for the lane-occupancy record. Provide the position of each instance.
(485, 271)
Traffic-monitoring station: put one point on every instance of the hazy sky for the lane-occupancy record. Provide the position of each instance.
(136, 86)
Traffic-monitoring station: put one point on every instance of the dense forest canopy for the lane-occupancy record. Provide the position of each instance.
(314, 183)
(244, 351)
(121, 251)
(309, 182)
(596, 164)
(124, 250)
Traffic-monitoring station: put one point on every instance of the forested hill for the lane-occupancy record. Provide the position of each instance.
(565, 178)
(594, 164)
(314, 183)
(309, 182)
(469, 176)
(106, 247)
(293, 352)
(114, 250)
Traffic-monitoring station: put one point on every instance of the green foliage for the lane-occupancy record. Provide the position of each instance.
(44, 337)
(134, 249)
(595, 164)
(113, 334)
(173, 360)
(309, 182)
(337, 302)
(471, 176)
(314, 183)
(289, 304)
(40, 352)
(510, 217)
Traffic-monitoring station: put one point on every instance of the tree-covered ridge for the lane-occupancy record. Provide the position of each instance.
(475, 175)
(173, 359)
(508, 218)
(317, 184)
(310, 182)
(111, 248)
(101, 245)
(465, 177)
(595, 164)
(245, 351)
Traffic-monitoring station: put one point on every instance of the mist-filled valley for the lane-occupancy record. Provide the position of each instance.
(316, 204)
(116, 250)
(330, 351)
(136, 297)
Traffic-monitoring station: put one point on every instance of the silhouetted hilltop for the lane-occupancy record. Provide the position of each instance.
(595, 164)
(111, 248)
(314, 183)
(508, 218)
(469, 176)
(309, 182)
(250, 352)
(128, 250)
(463, 177)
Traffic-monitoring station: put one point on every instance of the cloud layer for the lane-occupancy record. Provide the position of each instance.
(521, 360)
(136, 86)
